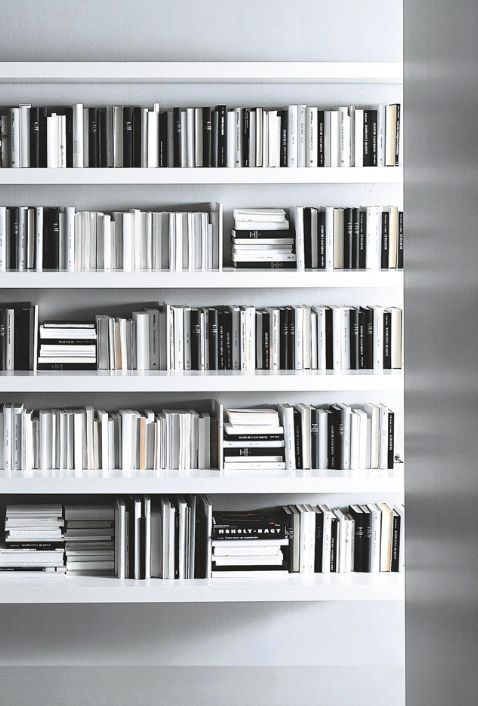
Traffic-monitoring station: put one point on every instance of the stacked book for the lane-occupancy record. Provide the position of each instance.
(261, 238)
(246, 543)
(18, 336)
(67, 346)
(90, 540)
(220, 136)
(366, 538)
(33, 539)
(253, 440)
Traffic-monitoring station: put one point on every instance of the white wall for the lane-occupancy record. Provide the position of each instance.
(223, 655)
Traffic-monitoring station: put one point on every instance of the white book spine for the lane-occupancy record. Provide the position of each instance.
(152, 146)
(334, 138)
(190, 131)
(70, 238)
(312, 137)
(61, 125)
(298, 216)
(198, 137)
(24, 135)
(292, 136)
(3, 238)
(301, 130)
(344, 137)
(15, 137)
(358, 137)
(52, 141)
(78, 142)
(144, 137)
(381, 120)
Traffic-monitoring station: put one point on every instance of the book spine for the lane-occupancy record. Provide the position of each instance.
(385, 244)
(207, 137)
(400, 241)
(221, 111)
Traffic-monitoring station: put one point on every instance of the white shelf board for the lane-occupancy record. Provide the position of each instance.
(194, 381)
(201, 175)
(203, 482)
(229, 278)
(289, 588)
(201, 72)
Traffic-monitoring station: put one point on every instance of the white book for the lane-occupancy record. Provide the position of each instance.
(292, 136)
(321, 339)
(61, 140)
(390, 134)
(153, 142)
(381, 123)
(358, 137)
(373, 238)
(198, 137)
(259, 112)
(265, 138)
(337, 322)
(355, 441)
(386, 538)
(376, 527)
(147, 537)
(393, 238)
(327, 538)
(190, 132)
(338, 238)
(78, 129)
(299, 337)
(373, 412)
(329, 238)
(52, 128)
(24, 115)
(322, 432)
(141, 320)
(378, 312)
(397, 338)
(312, 137)
(231, 139)
(297, 215)
(3, 238)
(344, 136)
(15, 137)
(334, 138)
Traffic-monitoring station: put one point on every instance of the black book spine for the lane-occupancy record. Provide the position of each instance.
(354, 339)
(23, 343)
(331, 439)
(339, 437)
(262, 234)
(396, 529)
(358, 538)
(213, 325)
(283, 137)
(322, 239)
(43, 138)
(362, 247)
(391, 440)
(265, 265)
(321, 138)
(93, 142)
(333, 545)
(284, 339)
(369, 339)
(51, 238)
(362, 363)
(13, 237)
(177, 137)
(307, 238)
(291, 339)
(355, 238)
(366, 139)
(207, 137)
(221, 111)
(373, 126)
(319, 542)
(387, 340)
(69, 135)
(42, 546)
(385, 250)
(266, 340)
(366, 559)
(246, 135)
(102, 139)
(137, 136)
(253, 437)
(255, 451)
(400, 241)
(195, 339)
(163, 139)
(314, 437)
(35, 137)
(128, 136)
(228, 339)
(221, 340)
(67, 366)
(3, 339)
(397, 137)
(348, 238)
(329, 339)
(298, 439)
(215, 138)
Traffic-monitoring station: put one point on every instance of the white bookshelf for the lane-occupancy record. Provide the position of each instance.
(228, 278)
(195, 381)
(288, 588)
(204, 175)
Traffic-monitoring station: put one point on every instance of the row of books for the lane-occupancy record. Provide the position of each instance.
(89, 439)
(303, 436)
(281, 437)
(220, 136)
(50, 238)
(184, 537)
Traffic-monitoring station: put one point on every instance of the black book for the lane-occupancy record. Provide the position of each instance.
(102, 138)
(195, 339)
(320, 138)
(23, 338)
(51, 238)
(221, 111)
(329, 339)
(221, 339)
(68, 112)
(333, 545)
(137, 135)
(176, 137)
(128, 136)
(3, 339)
(163, 138)
(314, 436)
(396, 529)
(385, 250)
(319, 541)
(397, 137)
(67, 366)
(250, 524)
(390, 440)
(307, 222)
(366, 558)
(322, 240)
(335, 433)
(400, 241)
(213, 326)
(93, 139)
(282, 114)
(38, 137)
(291, 339)
(348, 238)
(298, 439)
(246, 135)
(255, 451)
(41, 546)
(265, 265)
(228, 339)
(207, 137)
(362, 245)
(13, 237)
(215, 138)
(354, 339)
(358, 517)
(362, 363)
(368, 338)
(253, 437)
(387, 340)
(284, 339)
(355, 238)
(261, 234)
(338, 414)
(372, 127)
(266, 340)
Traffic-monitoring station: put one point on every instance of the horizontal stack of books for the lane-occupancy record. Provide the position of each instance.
(90, 540)
(253, 440)
(362, 538)
(18, 336)
(33, 539)
(246, 543)
(220, 136)
(261, 238)
(67, 345)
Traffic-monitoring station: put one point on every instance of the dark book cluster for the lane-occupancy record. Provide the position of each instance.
(220, 136)
(18, 336)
